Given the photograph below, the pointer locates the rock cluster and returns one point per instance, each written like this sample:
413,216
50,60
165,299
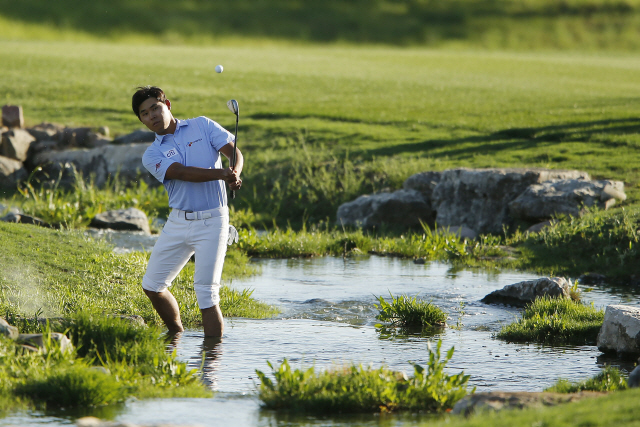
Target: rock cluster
483,200
54,151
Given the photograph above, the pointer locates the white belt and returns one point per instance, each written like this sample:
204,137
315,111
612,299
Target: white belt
194,216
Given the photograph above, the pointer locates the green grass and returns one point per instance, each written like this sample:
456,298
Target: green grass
594,24
610,379
410,312
555,321
323,124
352,389
59,273
605,242
112,360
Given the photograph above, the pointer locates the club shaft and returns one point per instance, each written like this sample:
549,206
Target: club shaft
234,158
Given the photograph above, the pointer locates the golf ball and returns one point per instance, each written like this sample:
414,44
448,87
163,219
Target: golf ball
219,68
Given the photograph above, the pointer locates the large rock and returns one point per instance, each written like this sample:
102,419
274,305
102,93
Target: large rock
11,172
620,331
500,400
46,132
122,219
479,198
402,207
522,293
102,162
564,197
7,330
20,218
136,136
16,143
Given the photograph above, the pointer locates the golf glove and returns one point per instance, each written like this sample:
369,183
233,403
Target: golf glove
233,235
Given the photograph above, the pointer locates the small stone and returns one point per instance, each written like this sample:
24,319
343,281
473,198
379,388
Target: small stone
12,116
122,219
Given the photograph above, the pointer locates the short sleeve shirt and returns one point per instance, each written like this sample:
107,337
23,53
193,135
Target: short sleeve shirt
195,142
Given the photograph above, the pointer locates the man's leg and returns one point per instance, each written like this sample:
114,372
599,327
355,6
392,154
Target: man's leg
212,321
167,307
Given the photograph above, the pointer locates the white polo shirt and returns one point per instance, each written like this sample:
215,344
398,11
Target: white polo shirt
195,142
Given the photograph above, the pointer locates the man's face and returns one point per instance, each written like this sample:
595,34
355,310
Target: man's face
156,115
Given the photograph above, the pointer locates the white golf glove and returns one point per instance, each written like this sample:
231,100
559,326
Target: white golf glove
233,235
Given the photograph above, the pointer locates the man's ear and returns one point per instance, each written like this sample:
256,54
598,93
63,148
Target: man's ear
166,101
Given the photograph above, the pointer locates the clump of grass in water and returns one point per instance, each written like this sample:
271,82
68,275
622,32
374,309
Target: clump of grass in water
609,379
410,312
359,389
556,321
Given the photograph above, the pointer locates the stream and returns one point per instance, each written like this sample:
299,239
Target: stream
328,317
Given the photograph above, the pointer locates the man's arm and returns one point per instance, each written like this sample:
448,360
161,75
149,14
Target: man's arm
227,150
194,174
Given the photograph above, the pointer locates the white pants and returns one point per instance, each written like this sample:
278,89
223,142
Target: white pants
181,238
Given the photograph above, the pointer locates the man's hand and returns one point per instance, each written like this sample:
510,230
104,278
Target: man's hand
232,177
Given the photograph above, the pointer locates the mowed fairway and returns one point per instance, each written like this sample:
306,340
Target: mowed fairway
409,109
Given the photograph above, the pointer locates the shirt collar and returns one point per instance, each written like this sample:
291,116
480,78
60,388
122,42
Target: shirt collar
179,123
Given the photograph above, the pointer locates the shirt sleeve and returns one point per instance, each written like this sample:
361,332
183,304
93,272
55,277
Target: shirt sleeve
157,163
218,136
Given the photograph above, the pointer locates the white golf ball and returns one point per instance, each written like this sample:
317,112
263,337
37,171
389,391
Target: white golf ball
219,68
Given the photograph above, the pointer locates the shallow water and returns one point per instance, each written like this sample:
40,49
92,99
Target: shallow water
328,318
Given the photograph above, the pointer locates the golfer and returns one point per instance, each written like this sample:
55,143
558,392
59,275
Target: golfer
185,158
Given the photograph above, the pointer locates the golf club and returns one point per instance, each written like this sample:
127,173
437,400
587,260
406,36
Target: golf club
233,106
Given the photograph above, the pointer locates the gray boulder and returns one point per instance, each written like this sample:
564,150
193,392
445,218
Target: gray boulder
102,162
20,218
522,293
634,378
122,219
402,207
479,199
620,331
11,172
136,136
461,232
564,196
16,144
7,330
46,132
501,400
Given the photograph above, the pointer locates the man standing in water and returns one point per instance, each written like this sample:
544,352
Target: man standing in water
185,158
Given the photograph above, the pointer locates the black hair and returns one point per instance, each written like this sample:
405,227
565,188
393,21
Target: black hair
143,93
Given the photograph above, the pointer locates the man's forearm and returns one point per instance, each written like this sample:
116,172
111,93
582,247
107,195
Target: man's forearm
194,174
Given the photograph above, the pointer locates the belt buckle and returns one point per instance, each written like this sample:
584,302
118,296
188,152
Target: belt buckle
188,212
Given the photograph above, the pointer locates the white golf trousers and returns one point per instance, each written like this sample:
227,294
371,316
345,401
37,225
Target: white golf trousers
181,238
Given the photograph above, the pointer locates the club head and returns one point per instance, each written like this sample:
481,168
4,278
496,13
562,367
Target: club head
233,106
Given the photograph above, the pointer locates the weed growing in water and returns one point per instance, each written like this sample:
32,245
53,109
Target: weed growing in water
410,312
361,389
555,321
609,379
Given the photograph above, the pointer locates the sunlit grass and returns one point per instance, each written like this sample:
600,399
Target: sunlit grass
355,388
410,312
555,321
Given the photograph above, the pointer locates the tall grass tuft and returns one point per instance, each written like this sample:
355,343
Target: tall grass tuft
609,379
410,312
556,321
352,389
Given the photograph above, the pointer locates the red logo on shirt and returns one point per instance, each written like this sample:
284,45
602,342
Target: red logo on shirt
158,165
192,142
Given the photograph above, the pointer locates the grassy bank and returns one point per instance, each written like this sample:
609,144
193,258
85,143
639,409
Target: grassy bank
594,24
59,273
112,360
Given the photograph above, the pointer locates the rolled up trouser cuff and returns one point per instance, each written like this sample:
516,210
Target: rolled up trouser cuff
207,295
